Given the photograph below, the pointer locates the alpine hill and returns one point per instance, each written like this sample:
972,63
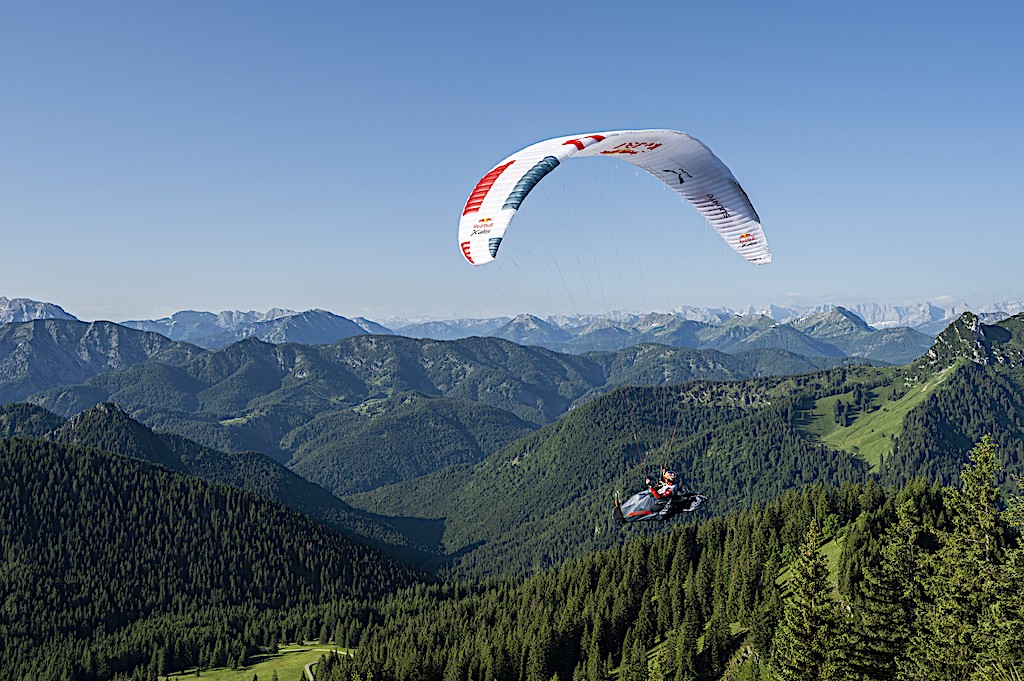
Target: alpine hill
112,564
106,427
547,497
42,354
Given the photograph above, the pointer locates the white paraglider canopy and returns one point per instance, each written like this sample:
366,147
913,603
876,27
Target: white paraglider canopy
682,162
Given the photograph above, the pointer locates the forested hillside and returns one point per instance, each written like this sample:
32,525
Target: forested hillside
983,395
975,400
372,409
739,442
857,583
107,427
111,563
548,497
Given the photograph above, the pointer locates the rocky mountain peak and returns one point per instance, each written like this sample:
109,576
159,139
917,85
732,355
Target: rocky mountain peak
969,338
24,310
837,321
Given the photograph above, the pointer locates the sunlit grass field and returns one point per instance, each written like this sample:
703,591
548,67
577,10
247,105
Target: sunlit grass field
869,436
289,663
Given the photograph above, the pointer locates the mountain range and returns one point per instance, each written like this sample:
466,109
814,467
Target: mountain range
199,553
457,423
927,317
352,415
830,333
570,333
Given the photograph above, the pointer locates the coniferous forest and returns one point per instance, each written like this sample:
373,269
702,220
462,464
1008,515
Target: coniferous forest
865,523
926,582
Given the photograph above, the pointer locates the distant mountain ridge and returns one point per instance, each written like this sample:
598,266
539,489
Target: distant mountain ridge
895,334
586,333
25,310
214,331
927,317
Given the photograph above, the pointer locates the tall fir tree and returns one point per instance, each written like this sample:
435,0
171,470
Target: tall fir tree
686,644
634,659
1008,623
716,644
891,591
811,631
955,633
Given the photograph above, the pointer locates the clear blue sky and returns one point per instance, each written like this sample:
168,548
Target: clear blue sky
213,155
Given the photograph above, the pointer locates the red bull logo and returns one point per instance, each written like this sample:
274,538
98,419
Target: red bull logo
747,238
483,226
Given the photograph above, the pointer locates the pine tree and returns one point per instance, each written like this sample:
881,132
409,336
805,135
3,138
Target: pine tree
1008,626
956,625
686,644
716,644
595,668
811,628
891,592
634,659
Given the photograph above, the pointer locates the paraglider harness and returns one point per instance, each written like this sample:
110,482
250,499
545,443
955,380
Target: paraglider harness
645,505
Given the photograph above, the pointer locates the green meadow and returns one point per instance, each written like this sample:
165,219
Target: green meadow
870,434
289,663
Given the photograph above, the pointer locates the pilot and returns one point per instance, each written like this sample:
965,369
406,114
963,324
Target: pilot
664,488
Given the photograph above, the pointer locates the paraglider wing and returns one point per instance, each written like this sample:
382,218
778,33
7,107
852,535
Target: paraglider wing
680,161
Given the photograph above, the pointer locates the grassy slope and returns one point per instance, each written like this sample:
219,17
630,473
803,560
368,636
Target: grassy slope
869,435
288,663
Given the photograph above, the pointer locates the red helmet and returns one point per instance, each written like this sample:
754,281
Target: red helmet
670,476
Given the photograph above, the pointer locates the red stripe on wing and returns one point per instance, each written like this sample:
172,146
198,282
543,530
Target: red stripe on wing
482,187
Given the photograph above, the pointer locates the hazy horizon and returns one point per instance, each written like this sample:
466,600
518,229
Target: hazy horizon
940,302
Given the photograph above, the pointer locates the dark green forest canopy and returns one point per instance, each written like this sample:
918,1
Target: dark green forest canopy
593,613
108,428
113,555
